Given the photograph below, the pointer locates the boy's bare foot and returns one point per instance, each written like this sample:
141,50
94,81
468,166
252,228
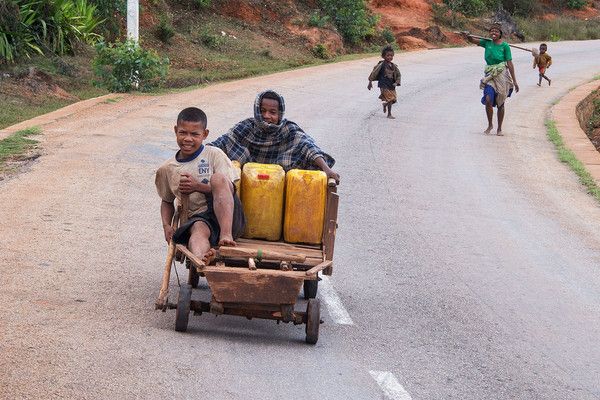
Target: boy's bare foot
227,241
391,117
209,256
539,84
499,133
384,108
488,130
549,82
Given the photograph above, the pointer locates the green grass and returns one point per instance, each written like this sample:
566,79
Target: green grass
17,145
568,157
560,28
16,109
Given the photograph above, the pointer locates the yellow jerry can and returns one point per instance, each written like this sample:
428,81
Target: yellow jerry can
238,171
262,199
305,197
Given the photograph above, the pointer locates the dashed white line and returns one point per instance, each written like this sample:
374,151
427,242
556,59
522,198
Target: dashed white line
331,299
392,389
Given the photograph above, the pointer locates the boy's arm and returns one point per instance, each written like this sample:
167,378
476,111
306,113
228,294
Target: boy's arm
167,210
549,62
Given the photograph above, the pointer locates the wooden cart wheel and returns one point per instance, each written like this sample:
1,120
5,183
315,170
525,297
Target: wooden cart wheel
182,315
193,276
310,289
313,320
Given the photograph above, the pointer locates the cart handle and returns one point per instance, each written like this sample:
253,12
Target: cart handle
319,267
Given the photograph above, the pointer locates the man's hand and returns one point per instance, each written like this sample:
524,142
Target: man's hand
516,87
168,230
332,174
370,85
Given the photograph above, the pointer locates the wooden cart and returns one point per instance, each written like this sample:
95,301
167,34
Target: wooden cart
256,279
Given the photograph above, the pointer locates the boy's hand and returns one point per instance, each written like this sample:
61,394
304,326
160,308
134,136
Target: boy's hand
370,85
168,230
187,184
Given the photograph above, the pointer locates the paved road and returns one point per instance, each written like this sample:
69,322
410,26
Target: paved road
468,264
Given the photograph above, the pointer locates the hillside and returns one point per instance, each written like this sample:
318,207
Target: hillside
208,41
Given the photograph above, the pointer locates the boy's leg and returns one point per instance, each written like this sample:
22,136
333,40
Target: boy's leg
500,119
546,78
389,107
199,243
489,112
222,192
540,80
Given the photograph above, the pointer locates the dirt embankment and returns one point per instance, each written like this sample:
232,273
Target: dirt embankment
588,114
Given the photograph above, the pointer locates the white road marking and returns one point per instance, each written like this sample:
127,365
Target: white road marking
392,389
331,299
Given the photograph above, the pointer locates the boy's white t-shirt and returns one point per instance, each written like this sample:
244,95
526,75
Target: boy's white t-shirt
210,160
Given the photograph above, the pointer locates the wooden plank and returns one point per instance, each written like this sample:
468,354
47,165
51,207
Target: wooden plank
320,267
280,246
242,252
236,285
330,229
161,301
192,257
185,208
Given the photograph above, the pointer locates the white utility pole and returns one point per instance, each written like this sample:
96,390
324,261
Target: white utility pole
133,20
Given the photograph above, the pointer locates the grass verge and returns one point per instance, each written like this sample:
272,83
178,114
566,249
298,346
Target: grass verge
560,28
17,147
568,157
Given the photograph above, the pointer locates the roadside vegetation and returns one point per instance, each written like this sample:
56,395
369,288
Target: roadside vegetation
55,52
560,28
568,157
17,148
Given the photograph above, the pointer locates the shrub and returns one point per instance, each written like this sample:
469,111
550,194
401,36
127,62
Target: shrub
112,12
576,4
202,3
320,51
318,20
351,18
594,122
211,40
470,8
443,15
388,35
164,29
28,26
124,66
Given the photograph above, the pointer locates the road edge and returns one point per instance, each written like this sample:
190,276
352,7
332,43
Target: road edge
563,115
55,115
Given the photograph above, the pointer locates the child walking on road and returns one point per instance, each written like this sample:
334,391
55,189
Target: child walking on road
387,75
543,62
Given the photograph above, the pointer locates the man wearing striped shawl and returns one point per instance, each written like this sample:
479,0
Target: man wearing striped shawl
269,138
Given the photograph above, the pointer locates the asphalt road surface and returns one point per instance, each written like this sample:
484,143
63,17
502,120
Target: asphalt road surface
466,265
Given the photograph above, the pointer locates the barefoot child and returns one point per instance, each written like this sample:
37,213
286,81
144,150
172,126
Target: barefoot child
206,175
387,75
543,62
